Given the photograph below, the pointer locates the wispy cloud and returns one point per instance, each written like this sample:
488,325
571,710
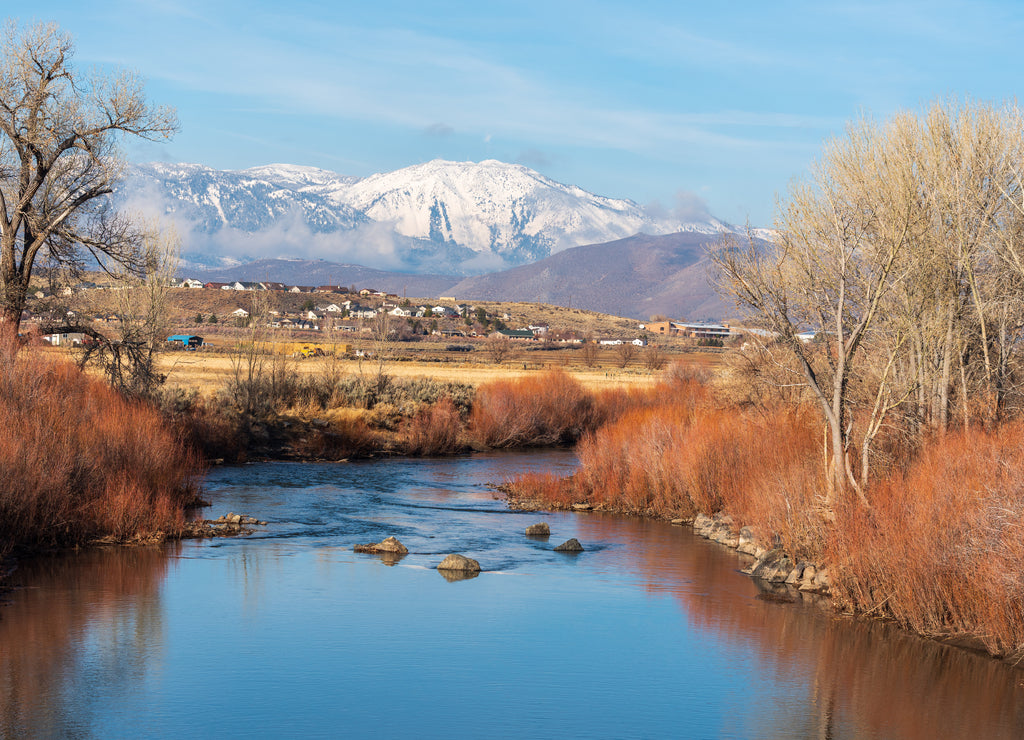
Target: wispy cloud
438,130
436,85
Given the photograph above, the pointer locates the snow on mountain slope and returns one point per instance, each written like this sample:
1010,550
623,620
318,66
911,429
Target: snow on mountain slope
505,209
249,200
440,216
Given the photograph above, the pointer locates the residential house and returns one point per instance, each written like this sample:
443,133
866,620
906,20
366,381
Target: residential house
519,334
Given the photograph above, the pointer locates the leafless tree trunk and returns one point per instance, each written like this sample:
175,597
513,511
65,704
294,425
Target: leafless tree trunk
499,348
833,265
624,353
59,161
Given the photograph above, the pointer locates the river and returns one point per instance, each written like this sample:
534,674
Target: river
651,632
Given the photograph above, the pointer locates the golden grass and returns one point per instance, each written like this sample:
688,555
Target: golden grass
208,372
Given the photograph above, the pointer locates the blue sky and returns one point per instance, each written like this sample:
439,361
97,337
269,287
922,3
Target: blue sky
660,102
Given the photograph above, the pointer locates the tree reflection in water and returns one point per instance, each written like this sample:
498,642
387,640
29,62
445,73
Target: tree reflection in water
868,678
85,620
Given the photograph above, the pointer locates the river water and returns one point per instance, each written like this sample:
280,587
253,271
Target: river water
651,632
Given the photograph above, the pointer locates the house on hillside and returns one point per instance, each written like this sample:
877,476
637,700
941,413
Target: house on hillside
362,312
688,329
518,334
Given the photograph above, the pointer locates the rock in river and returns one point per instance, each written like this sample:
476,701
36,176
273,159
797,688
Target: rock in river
389,545
572,545
538,530
459,562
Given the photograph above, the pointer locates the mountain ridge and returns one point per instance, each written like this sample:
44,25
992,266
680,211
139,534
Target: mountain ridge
461,218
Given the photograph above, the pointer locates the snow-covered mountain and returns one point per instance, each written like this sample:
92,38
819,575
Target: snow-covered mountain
458,217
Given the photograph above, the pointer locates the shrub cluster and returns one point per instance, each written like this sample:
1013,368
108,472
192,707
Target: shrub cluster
81,462
534,411
278,387
938,549
941,548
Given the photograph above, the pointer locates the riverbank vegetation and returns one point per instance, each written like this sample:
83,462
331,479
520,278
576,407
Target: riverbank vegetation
82,462
936,551
873,423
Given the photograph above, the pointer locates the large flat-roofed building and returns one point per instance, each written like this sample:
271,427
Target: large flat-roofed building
694,330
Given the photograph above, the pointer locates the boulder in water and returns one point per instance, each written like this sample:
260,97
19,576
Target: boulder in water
459,563
389,545
572,545
538,530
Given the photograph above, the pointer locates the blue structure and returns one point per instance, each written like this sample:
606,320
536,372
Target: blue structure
185,341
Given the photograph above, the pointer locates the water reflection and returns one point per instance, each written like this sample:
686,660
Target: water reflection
78,620
862,678
648,628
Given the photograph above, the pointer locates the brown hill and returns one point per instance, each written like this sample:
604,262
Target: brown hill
637,277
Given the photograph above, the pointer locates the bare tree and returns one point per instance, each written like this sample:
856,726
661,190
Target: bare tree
654,357
833,264
624,353
589,351
904,253
129,359
59,161
498,347
384,337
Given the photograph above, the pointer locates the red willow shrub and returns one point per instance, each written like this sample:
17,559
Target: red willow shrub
940,551
675,460
80,462
435,430
527,412
669,452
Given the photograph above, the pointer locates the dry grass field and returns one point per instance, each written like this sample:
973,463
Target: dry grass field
208,372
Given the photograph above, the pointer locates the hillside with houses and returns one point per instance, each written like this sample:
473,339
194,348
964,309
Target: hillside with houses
334,313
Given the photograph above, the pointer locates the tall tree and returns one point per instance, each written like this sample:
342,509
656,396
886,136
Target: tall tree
59,160
903,250
833,263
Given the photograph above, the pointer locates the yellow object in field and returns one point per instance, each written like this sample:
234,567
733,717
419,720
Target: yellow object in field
310,349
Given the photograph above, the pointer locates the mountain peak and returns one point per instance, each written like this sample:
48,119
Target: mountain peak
441,215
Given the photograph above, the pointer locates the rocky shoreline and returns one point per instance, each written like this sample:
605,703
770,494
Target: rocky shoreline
771,563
